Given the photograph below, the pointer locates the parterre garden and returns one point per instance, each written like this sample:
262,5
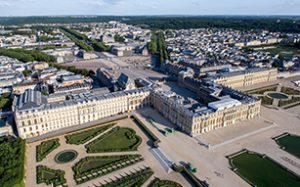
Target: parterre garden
50,176
288,97
96,140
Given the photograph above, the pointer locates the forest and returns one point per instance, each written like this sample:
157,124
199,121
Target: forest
272,23
12,151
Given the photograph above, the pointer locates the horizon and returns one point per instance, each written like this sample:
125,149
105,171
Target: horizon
30,8
156,15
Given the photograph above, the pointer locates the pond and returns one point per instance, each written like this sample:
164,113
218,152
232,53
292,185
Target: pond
278,95
66,156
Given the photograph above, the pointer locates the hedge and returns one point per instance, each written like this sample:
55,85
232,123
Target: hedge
135,179
185,172
105,169
161,183
147,131
49,145
57,179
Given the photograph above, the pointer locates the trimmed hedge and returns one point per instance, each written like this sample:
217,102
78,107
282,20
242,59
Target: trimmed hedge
50,176
164,183
189,175
135,179
121,161
84,136
130,135
147,131
45,148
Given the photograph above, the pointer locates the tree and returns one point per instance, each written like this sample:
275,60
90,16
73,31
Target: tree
119,38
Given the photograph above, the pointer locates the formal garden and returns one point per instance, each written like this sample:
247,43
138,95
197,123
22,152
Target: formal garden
260,170
45,148
50,176
277,96
118,139
12,153
92,167
99,139
290,143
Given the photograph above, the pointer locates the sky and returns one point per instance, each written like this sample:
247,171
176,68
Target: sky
148,7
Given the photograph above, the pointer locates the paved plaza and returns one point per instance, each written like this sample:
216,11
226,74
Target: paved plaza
212,164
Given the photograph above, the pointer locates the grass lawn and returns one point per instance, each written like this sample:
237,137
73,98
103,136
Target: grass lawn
116,140
291,144
50,176
97,162
84,136
45,148
263,172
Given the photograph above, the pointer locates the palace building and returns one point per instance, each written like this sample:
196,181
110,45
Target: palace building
216,106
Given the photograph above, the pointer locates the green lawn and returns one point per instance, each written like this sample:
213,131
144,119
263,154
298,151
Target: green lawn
291,144
50,176
84,136
263,172
45,148
116,140
97,162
